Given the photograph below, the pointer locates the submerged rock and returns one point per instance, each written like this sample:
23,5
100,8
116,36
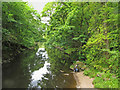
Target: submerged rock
61,71
66,74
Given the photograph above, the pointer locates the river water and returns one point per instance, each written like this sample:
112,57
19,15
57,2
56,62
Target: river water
31,69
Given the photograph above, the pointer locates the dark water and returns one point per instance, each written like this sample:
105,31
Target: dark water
32,69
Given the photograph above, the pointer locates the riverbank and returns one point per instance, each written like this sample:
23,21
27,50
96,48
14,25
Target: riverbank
83,81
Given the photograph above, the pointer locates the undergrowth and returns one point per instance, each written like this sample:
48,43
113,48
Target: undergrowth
102,79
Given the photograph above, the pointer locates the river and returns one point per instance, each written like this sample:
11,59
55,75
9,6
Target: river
31,69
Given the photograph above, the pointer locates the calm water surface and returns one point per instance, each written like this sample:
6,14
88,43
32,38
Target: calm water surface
32,69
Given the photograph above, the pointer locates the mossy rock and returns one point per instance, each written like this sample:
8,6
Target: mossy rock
81,65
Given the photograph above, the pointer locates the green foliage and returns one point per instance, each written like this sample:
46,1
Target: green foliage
102,47
84,33
21,24
72,67
88,32
102,79
86,72
107,80
80,64
89,72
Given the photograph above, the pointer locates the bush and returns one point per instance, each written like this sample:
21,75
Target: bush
106,80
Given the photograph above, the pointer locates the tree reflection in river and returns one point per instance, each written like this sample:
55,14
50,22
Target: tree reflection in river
31,69
58,60
55,78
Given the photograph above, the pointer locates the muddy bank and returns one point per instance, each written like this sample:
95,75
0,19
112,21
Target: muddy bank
83,81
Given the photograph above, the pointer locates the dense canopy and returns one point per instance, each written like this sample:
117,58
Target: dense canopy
77,31
88,32
21,25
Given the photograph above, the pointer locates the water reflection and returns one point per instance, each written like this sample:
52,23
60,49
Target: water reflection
39,74
32,69
42,53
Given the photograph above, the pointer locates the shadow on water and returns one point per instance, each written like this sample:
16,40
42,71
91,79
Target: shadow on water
31,69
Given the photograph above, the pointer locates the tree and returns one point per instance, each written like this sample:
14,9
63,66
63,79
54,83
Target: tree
88,32
21,25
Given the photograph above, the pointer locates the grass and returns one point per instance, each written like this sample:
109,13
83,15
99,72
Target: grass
102,79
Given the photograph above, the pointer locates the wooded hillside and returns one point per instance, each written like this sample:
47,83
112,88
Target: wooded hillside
88,32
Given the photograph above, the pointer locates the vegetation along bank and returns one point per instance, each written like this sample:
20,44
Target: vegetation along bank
86,32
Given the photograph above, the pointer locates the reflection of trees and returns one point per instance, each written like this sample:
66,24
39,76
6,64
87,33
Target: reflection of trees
13,75
27,62
58,59
55,78
31,62
18,73
59,80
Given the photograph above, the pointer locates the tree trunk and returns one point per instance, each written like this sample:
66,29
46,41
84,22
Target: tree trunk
106,39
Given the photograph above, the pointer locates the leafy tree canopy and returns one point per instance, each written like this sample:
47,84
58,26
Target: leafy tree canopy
21,24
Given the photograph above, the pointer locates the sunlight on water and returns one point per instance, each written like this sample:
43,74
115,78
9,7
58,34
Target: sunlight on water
38,74
31,69
42,52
